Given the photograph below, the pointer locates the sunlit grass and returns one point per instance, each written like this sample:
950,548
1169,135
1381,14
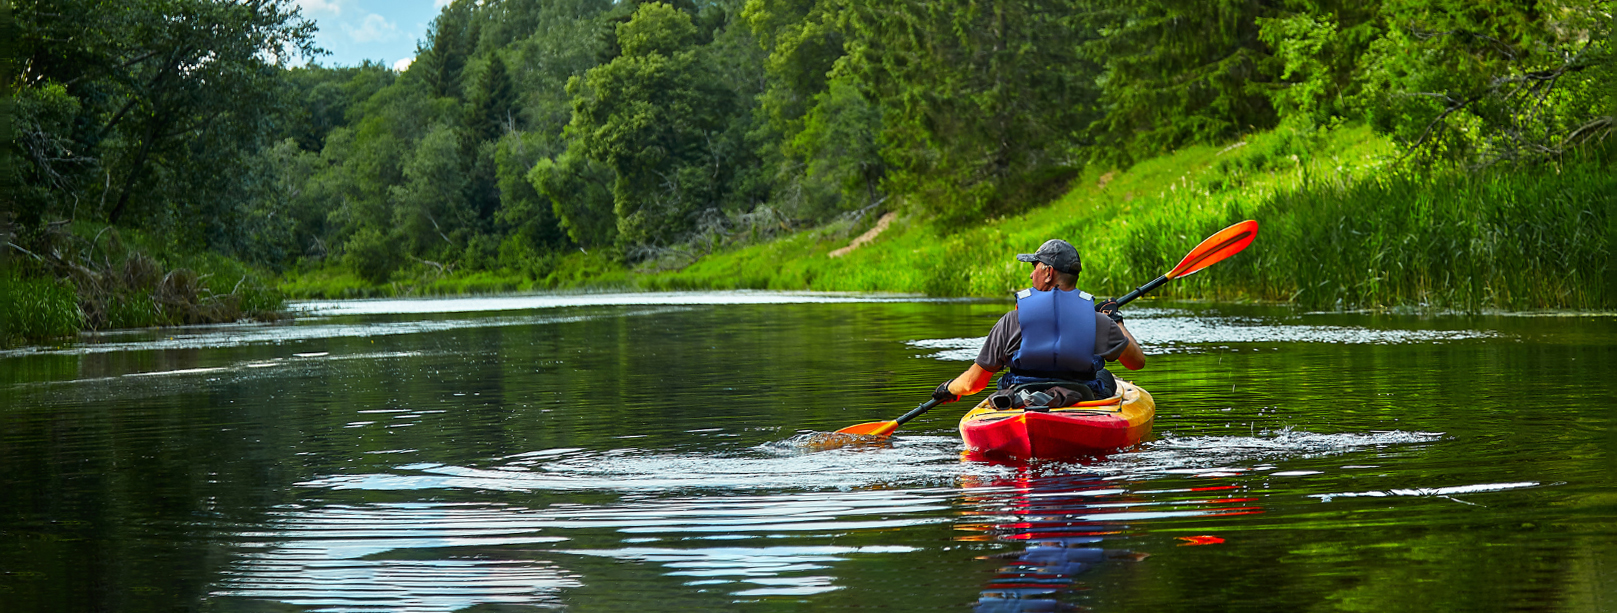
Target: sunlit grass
1340,228
569,271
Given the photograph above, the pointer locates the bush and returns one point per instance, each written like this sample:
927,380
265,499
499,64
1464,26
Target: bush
371,255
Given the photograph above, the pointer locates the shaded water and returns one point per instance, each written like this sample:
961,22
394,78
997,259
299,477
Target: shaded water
638,453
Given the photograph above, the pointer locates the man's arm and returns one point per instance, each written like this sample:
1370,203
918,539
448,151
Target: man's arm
1132,358
994,353
970,382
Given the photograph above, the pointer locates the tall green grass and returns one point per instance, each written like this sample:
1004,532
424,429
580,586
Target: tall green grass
576,270
1193,187
1519,240
1340,228
34,308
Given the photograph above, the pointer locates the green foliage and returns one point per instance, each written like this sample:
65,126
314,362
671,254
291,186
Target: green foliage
371,255
580,191
1301,42
528,133
1485,83
168,93
981,103
1178,72
651,115
42,118
840,146
441,61
430,211
1337,231
529,221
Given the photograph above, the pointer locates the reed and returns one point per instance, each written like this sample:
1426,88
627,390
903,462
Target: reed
1498,240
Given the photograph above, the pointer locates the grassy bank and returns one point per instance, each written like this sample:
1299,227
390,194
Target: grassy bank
1343,226
1340,229
572,271
83,277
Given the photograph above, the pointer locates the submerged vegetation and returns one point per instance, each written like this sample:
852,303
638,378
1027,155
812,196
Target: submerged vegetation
1398,152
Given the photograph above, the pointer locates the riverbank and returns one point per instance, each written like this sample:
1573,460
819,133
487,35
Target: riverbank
100,278
1344,225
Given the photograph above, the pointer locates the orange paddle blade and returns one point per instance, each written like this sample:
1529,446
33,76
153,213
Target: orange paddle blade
1225,243
875,428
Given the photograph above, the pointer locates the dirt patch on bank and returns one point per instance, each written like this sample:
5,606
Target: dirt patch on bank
881,224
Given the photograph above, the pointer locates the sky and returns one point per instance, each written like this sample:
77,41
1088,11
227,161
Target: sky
381,30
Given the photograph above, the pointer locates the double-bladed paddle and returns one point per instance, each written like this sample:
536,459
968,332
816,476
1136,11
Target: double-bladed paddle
1212,250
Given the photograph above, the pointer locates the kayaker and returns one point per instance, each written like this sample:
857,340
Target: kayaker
1056,332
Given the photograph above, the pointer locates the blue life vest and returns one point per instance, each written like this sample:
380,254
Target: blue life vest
1058,335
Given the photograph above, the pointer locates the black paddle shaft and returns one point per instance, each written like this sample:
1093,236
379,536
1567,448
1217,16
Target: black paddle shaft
1141,290
915,412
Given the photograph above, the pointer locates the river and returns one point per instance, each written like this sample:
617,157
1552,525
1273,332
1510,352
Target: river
645,452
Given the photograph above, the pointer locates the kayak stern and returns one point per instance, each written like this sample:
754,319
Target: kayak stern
1088,429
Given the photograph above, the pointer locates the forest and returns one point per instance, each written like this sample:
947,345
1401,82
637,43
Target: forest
182,161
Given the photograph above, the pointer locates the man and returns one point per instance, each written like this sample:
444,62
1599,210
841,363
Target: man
1056,333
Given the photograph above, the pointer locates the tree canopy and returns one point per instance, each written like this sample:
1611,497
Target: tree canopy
647,130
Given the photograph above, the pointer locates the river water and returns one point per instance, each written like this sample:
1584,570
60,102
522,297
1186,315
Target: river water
645,452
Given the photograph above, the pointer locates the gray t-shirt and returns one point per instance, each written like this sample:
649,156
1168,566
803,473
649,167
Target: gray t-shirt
1006,338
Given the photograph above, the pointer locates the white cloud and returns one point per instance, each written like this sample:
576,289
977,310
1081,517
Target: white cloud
438,4
374,28
403,64
333,7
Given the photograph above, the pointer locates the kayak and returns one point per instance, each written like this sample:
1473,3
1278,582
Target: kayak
1090,428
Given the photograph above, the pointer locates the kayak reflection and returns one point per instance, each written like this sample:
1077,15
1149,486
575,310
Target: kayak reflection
1068,525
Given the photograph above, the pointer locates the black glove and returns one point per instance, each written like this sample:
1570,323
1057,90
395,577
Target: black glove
943,395
1110,309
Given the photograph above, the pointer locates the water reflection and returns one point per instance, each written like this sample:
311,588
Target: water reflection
343,558
698,518
643,458
1069,522
766,522
484,304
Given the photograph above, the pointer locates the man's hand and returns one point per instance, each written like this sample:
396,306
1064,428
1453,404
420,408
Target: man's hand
943,395
1110,309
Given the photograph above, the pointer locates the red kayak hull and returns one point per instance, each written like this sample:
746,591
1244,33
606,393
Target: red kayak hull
1090,429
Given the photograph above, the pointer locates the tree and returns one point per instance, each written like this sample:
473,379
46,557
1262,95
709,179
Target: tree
982,103
451,37
430,211
580,193
493,102
651,115
524,213
1178,72
1483,83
